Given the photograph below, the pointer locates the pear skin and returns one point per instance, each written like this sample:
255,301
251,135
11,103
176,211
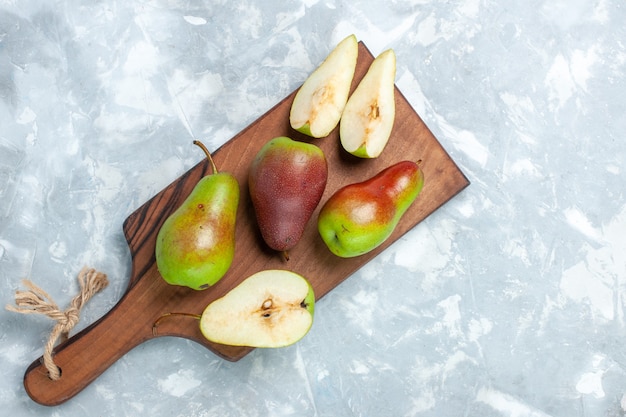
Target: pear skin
196,244
359,217
286,181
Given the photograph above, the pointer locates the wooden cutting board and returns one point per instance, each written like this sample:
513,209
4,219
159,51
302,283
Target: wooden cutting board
89,353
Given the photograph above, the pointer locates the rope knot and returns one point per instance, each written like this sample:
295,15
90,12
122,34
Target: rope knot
37,301
68,320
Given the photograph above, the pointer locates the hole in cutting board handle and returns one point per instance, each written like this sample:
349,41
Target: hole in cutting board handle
60,375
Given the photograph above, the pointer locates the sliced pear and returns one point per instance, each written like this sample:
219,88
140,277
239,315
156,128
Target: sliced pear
272,308
318,104
370,112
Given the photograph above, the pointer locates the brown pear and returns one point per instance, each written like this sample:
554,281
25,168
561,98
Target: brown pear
286,181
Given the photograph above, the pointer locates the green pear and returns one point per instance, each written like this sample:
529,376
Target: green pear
286,181
360,217
196,244
369,114
318,104
271,308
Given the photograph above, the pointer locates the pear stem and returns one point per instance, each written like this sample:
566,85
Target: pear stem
166,315
285,255
207,153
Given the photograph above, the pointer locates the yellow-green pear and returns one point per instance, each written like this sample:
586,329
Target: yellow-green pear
196,244
370,112
318,104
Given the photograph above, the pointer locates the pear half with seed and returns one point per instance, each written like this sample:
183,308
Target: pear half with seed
269,309
318,104
369,114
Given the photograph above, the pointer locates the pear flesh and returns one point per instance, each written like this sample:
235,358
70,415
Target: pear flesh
272,308
359,217
369,114
318,104
195,245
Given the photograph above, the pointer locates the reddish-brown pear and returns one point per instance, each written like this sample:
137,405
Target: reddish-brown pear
286,181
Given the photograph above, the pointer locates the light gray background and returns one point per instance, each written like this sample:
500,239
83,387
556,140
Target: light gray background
508,301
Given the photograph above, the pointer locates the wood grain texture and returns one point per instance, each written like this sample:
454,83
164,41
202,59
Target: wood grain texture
89,353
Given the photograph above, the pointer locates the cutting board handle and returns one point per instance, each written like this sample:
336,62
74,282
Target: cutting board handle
89,353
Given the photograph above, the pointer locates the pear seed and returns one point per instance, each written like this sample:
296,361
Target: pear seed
374,111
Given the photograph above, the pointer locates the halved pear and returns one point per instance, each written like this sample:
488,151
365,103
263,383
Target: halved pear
271,308
370,112
318,104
